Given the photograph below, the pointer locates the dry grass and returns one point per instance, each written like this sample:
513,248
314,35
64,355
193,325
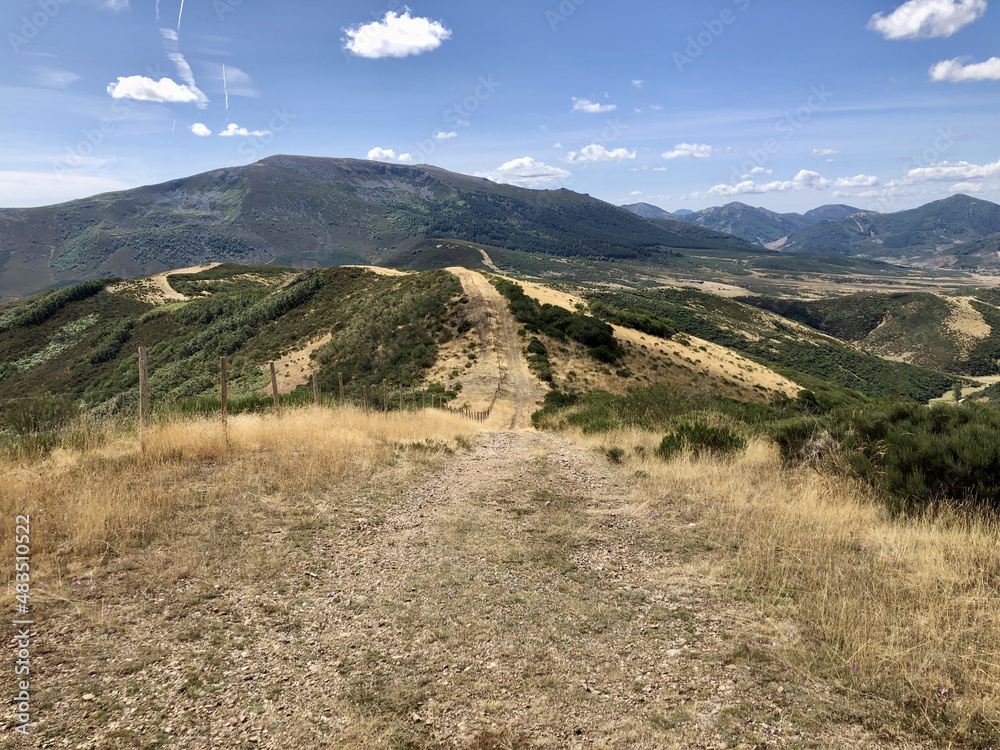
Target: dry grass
114,496
900,613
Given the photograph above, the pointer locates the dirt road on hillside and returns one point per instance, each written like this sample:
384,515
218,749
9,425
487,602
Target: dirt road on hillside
521,390
511,596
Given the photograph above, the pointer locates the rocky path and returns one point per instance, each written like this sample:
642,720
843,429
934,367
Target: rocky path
509,596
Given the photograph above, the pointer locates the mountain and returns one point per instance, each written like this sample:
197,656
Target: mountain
683,212
307,212
957,232
649,211
757,225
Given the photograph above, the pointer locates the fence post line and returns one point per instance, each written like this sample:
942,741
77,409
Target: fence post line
315,389
224,396
143,397
340,377
413,390
401,397
385,396
274,391
364,393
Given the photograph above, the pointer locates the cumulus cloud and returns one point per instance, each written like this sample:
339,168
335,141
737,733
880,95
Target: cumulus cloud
636,192
925,19
145,89
395,36
526,172
183,69
967,187
200,129
956,71
388,154
825,152
861,180
638,84
806,179
693,150
761,170
235,130
585,105
595,152
945,171
443,136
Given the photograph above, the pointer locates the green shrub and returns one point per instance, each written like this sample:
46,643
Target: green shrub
32,416
701,438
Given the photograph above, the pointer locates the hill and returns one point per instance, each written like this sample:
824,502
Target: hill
757,225
957,232
308,212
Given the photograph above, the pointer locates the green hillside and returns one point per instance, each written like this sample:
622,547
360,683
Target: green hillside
84,349
312,212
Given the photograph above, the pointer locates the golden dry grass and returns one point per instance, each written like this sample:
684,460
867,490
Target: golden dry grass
113,496
902,612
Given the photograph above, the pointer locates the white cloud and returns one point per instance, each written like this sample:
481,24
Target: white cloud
656,107
638,84
861,180
183,69
595,152
145,89
200,129
115,5
55,79
660,169
395,36
693,150
967,187
945,171
585,105
956,71
237,82
233,129
526,172
443,136
636,192
556,145
388,154
761,170
806,179
825,152
924,19
46,188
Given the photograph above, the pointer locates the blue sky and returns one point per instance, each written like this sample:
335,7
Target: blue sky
779,103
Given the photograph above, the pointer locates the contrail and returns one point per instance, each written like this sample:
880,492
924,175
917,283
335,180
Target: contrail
157,10
225,86
180,16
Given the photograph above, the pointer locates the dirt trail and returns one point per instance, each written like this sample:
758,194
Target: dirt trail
521,390
167,292
511,596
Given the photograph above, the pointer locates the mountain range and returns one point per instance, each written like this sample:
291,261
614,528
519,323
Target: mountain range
959,232
757,225
307,212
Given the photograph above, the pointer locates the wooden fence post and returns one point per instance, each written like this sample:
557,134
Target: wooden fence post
423,400
315,389
143,397
413,389
385,396
274,391
340,377
401,397
224,395
364,393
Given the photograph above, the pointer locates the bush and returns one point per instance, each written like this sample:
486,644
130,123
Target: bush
32,416
701,438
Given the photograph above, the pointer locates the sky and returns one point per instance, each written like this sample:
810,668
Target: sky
784,104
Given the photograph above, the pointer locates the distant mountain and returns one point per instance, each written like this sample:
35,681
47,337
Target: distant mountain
757,225
306,212
683,212
649,211
957,232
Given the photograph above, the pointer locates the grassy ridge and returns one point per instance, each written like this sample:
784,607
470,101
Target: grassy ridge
380,328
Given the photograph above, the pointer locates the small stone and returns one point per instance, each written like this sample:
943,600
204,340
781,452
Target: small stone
89,696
